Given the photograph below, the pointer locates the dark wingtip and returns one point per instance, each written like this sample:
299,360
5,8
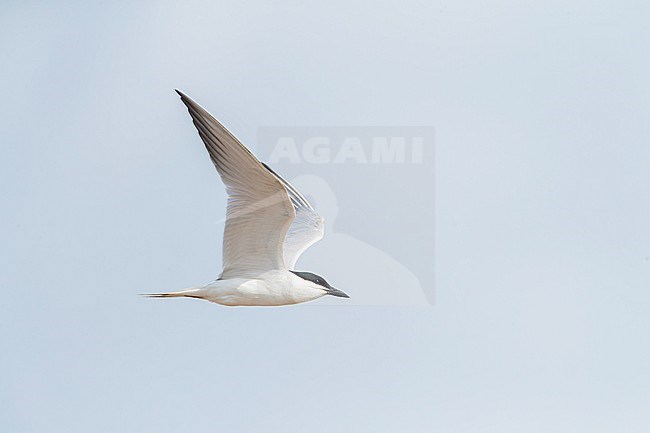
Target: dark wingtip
189,102
183,96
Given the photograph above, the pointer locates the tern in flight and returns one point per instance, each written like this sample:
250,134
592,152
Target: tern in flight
269,224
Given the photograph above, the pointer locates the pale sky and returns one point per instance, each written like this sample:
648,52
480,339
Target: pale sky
541,270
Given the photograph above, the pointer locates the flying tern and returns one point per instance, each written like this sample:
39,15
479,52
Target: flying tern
269,224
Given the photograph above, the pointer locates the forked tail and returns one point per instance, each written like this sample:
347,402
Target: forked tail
188,293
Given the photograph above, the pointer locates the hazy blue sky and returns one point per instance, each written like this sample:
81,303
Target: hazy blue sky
542,235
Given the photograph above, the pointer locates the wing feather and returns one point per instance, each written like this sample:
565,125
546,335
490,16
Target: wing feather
307,228
260,209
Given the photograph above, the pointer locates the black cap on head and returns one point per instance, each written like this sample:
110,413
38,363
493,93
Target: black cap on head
317,279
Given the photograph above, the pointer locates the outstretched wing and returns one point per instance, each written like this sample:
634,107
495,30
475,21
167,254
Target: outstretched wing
307,228
259,211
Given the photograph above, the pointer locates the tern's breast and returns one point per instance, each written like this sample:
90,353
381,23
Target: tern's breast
272,288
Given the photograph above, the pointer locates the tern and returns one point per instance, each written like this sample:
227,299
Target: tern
269,224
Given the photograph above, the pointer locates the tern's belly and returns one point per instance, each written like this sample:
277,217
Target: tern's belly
258,292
